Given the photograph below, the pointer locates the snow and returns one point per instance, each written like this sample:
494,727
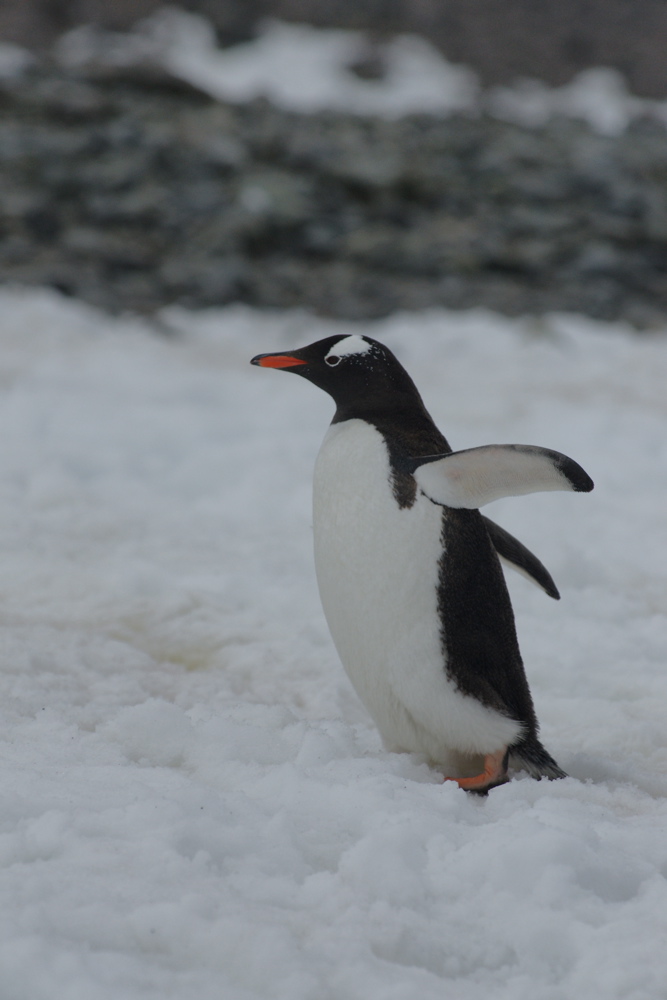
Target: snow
598,95
194,802
306,69
301,68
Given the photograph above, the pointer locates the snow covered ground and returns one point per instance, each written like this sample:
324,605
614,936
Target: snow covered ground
194,802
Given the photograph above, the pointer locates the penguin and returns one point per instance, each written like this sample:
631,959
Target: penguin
409,571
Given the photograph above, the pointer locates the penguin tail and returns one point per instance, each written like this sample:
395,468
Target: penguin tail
529,755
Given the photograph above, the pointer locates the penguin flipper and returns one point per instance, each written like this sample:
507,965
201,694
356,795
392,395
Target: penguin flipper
521,559
477,476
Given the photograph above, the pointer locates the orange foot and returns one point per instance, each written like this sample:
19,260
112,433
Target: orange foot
494,773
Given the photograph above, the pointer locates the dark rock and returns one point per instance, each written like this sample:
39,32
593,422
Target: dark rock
37,24
134,197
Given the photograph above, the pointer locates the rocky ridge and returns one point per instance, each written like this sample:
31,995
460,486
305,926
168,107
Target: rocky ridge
132,191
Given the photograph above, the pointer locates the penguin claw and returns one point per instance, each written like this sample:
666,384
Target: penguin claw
494,774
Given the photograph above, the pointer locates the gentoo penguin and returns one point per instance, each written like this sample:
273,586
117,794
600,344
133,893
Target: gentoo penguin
408,569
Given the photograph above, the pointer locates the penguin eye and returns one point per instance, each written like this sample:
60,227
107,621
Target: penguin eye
333,361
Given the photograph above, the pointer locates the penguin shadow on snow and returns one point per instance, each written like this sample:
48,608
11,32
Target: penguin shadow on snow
409,571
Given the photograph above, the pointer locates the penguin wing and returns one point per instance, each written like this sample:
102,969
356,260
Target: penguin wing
477,476
521,559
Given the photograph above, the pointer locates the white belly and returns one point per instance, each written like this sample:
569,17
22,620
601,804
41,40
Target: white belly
377,571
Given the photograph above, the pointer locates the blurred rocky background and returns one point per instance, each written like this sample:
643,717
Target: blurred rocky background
132,189
550,40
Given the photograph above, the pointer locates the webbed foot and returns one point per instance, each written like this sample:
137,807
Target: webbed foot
494,773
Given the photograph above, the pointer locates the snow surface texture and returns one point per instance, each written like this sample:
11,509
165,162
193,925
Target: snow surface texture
306,69
194,802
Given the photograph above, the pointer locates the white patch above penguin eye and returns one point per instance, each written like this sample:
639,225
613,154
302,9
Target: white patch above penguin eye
348,345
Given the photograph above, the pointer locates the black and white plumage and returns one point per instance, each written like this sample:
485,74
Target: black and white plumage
408,569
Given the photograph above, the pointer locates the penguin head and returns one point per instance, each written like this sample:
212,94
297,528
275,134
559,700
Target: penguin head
358,372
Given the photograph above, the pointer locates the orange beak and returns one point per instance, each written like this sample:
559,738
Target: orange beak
277,361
